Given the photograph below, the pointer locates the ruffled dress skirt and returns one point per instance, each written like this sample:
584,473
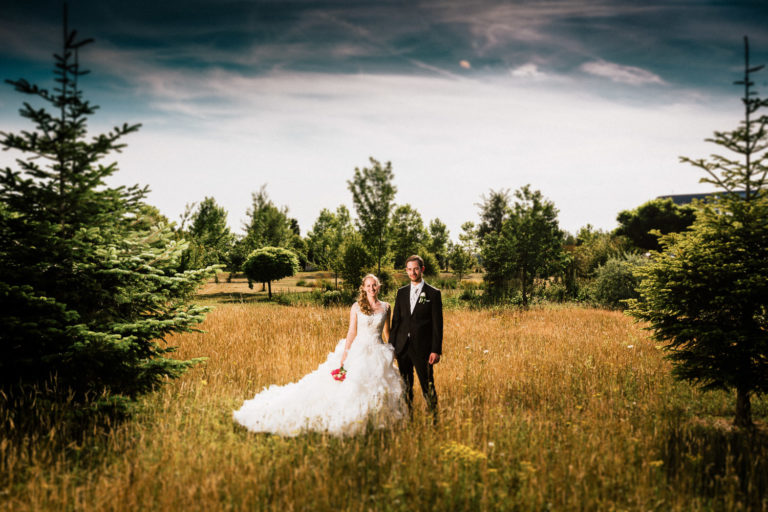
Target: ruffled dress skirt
370,395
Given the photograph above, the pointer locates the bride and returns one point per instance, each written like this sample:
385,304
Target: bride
370,391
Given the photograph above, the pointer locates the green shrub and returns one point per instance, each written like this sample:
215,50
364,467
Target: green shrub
470,285
302,282
324,284
555,292
616,282
387,280
431,265
444,283
284,299
355,261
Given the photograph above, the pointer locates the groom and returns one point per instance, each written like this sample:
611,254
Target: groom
417,333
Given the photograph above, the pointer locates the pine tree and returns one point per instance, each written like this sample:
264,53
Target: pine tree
89,287
209,237
706,294
494,211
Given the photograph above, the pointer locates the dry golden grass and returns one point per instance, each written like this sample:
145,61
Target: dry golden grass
557,408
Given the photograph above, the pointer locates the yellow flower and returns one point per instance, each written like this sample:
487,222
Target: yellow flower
453,451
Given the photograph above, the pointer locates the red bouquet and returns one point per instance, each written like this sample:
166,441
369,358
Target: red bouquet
339,374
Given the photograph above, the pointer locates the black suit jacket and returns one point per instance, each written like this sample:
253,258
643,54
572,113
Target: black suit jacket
423,328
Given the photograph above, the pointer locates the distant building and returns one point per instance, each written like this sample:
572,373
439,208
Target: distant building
681,199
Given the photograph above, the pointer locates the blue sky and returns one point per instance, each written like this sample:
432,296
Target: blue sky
590,102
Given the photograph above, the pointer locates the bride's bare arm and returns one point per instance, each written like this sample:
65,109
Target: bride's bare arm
351,332
386,326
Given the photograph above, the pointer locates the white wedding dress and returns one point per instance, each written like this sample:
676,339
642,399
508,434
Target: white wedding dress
371,392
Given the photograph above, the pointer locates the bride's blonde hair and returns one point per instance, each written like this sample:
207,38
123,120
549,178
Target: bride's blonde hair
362,298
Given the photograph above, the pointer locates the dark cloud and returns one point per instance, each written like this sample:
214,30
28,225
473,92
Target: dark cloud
687,43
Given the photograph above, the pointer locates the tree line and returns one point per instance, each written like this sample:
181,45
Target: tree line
516,243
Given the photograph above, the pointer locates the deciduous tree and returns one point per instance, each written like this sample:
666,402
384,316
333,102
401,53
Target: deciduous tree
494,210
461,260
406,234
373,194
530,243
354,260
328,232
439,238
267,225
642,224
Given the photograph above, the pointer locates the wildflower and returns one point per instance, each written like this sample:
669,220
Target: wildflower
453,451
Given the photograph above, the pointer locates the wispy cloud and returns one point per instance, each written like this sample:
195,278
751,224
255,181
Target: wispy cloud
528,70
621,74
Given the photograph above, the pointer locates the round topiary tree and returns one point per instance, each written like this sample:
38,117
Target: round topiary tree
270,264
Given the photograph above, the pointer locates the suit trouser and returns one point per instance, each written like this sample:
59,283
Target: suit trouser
409,361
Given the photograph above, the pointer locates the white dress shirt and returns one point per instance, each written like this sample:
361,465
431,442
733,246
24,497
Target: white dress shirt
415,292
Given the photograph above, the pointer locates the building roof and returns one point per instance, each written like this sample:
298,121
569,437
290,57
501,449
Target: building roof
681,199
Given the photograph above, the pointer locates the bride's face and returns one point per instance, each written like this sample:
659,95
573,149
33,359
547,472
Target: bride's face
371,287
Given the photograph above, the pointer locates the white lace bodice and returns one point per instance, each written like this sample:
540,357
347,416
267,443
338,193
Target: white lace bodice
369,327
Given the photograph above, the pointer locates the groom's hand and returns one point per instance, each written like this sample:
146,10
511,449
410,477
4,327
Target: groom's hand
434,358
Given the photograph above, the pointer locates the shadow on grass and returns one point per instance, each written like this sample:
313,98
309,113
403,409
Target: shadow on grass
718,461
41,430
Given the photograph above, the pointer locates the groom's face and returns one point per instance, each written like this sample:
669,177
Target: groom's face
414,271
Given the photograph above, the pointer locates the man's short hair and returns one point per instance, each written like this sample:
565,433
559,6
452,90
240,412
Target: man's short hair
417,259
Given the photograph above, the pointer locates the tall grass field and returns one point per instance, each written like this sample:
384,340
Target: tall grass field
554,408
